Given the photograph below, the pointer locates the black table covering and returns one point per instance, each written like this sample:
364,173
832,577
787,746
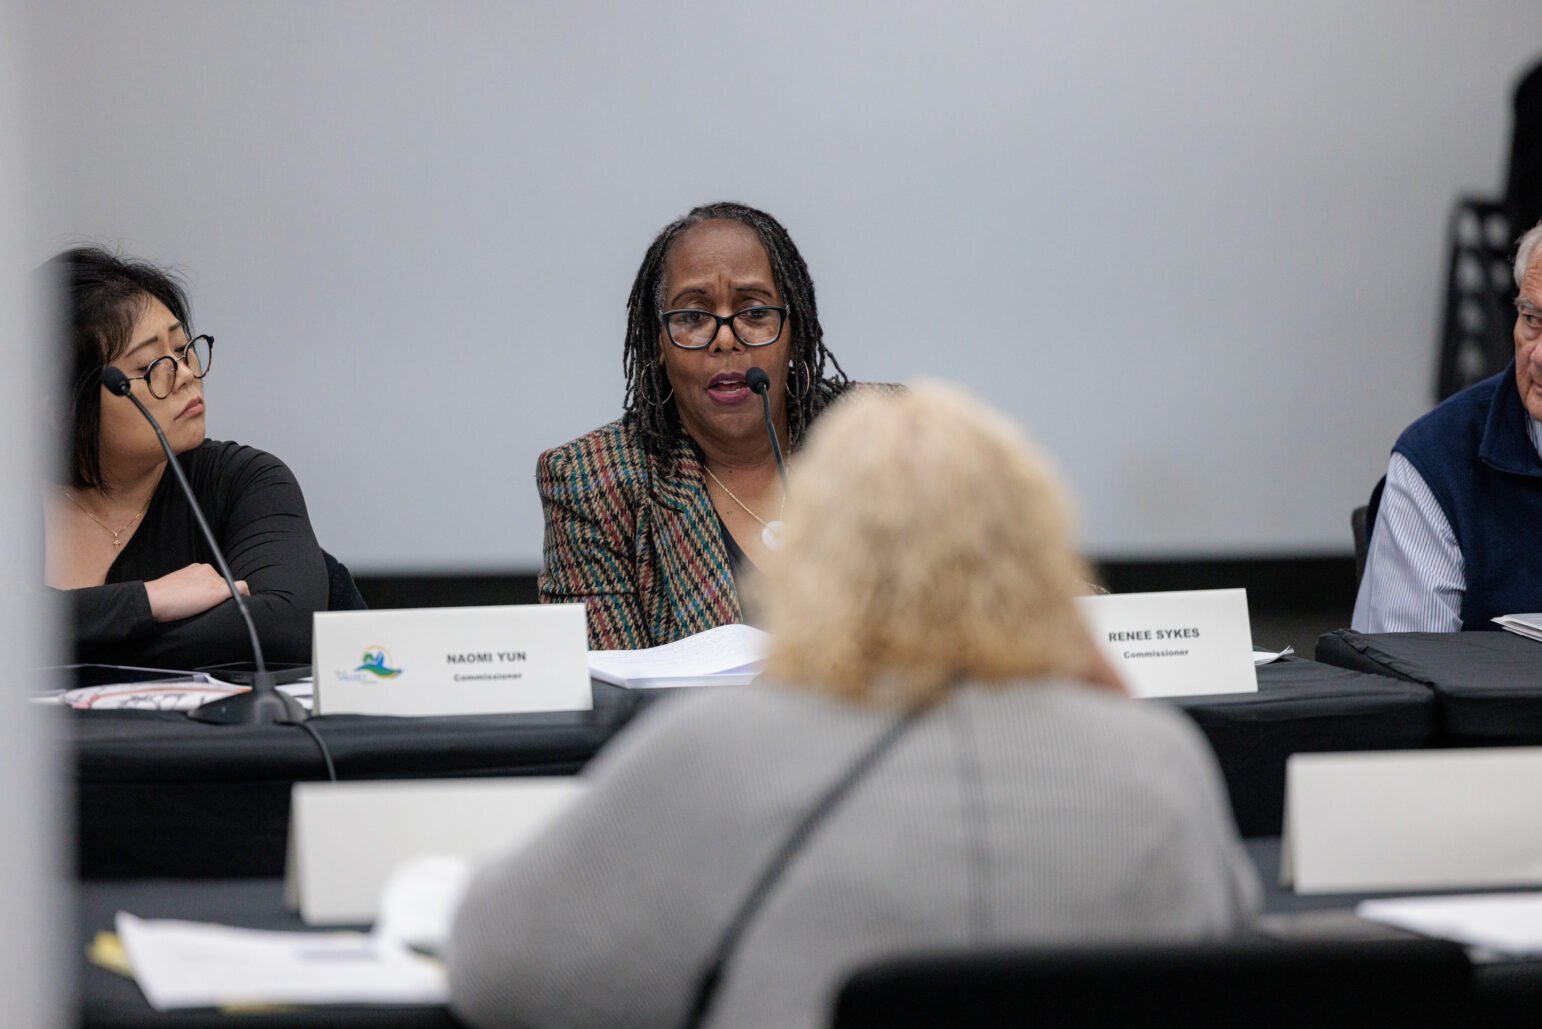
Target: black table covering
158,794
1506,993
1487,685
1302,707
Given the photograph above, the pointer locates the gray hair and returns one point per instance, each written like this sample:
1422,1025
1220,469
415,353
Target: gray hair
1524,251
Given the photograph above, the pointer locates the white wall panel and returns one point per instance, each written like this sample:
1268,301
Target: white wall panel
1196,247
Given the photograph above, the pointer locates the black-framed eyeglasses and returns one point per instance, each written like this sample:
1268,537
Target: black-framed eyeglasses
754,326
161,377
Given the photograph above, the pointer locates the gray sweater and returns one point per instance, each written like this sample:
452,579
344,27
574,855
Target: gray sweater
1038,813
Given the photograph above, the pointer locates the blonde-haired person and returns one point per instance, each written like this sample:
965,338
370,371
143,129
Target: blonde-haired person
935,545
979,776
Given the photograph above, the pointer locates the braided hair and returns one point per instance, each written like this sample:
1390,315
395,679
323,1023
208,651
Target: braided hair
649,405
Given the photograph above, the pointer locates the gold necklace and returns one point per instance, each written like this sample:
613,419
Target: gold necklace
117,536
770,532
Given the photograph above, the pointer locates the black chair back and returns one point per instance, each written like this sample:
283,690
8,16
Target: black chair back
1362,535
1258,984
1362,522
1523,183
342,592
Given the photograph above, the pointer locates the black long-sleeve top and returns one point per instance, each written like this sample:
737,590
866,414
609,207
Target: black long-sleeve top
256,510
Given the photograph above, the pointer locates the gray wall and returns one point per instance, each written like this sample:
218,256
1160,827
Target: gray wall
36,963
1195,247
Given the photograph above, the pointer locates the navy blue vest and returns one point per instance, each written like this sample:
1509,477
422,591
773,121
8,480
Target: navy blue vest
1476,456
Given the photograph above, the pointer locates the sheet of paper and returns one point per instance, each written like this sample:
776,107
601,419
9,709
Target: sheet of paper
1503,923
676,682
1264,657
182,694
1529,625
106,951
725,649
419,901
195,964
302,690
69,677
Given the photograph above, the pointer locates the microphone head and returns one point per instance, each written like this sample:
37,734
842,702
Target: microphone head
755,379
116,381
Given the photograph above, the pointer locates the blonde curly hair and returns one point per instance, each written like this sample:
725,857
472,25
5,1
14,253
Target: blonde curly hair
927,543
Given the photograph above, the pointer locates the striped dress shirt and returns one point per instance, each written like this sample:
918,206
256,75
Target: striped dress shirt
1414,579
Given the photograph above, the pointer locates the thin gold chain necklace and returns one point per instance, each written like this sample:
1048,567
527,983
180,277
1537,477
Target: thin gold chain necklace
117,535
770,532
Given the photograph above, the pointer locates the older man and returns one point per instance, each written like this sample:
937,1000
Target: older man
1459,536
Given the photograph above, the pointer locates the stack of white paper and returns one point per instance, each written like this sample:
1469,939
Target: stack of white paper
1509,924
182,694
729,655
195,965
1529,626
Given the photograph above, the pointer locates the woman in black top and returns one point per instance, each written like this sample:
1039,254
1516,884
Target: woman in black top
122,543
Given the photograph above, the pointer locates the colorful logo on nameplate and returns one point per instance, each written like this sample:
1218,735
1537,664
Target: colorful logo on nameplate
376,664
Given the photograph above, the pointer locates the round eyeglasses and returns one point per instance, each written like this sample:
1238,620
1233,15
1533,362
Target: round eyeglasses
753,326
161,377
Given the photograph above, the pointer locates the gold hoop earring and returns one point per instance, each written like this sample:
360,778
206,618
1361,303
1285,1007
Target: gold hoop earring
658,374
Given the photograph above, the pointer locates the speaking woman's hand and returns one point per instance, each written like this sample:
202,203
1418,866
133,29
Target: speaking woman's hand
188,591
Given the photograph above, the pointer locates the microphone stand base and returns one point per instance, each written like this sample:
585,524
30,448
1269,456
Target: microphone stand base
263,704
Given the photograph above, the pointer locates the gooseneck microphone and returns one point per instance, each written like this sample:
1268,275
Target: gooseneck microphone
757,380
263,703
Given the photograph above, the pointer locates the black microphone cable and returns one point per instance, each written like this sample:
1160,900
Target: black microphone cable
326,755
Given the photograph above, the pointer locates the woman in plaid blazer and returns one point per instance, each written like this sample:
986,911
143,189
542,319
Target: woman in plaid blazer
650,519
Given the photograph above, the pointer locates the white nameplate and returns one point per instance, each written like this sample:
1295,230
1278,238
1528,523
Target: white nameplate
346,838
1420,819
452,660
1179,644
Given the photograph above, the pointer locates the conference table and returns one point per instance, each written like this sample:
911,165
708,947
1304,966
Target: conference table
1487,685
1302,707
181,819
108,999
1506,993
160,795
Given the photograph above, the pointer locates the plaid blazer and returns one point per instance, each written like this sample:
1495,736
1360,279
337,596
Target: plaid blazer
635,538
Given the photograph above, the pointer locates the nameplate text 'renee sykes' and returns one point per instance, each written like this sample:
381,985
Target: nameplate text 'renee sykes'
1183,643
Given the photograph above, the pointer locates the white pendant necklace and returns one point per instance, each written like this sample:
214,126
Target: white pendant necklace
770,532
